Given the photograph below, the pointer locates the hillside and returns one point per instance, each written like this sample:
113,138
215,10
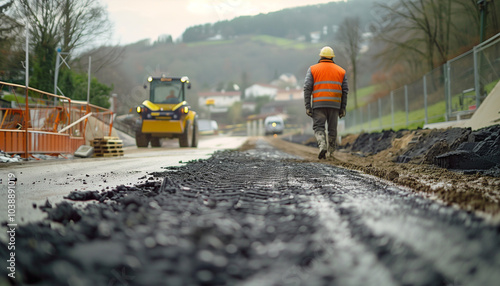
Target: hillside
209,63
248,56
289,23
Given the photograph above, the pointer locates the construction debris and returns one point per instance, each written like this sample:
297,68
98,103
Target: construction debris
6,158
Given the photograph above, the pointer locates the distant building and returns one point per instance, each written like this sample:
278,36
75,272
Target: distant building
287,94
223,100
315,37
285,80
259,89
249,106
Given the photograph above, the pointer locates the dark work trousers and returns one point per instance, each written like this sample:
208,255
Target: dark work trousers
322,115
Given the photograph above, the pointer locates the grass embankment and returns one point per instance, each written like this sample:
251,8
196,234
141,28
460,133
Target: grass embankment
21,99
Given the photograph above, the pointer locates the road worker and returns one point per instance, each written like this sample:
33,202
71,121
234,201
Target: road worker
325,96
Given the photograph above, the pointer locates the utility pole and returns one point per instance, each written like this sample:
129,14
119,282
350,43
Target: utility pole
88,87
56,74
27,114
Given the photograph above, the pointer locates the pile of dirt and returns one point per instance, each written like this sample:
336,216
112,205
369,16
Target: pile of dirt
458,149
430,143
373,143
480,153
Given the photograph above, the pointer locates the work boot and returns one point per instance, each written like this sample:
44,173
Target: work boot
331,147
321,138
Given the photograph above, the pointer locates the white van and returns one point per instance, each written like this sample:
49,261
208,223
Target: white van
274,125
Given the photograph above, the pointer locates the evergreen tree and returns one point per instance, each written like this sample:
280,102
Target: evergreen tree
44,61
99,92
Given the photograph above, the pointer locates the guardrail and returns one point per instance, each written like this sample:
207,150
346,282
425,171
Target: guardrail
41,122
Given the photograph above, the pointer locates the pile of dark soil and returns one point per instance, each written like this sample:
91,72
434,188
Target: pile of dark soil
428,144
480,153
373,143
458,149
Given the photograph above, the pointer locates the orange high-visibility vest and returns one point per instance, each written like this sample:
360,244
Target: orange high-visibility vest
328,79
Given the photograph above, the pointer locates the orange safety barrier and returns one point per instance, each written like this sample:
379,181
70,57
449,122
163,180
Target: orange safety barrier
50,124
14,141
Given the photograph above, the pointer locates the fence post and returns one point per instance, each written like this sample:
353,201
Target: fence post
380,112
477,86
406,105
369,117
446,73
392,109
425,99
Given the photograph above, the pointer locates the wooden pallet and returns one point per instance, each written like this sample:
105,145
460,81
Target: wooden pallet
107,147
108,154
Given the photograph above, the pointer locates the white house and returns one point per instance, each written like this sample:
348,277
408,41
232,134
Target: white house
260,89
222,100
290,93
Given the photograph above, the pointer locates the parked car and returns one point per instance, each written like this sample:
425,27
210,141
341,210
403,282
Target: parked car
274,125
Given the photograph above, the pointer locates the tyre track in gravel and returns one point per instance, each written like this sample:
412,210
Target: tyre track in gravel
395,236
260,217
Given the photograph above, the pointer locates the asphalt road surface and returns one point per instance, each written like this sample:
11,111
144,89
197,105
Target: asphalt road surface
54,179
254,217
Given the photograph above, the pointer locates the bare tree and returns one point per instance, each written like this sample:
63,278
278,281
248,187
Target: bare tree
7,24
351,37
68,23
417,26
11,53
430,30
83,22
102,57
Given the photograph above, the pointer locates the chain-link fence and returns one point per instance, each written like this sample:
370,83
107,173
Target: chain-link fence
453,91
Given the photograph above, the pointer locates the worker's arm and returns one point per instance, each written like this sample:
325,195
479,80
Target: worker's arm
308,88
345,90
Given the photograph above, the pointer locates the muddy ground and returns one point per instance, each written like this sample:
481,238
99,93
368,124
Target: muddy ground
456,166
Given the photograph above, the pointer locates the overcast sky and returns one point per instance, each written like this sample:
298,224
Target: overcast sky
134,20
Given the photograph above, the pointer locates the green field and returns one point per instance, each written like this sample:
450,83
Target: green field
270,40
363,96
209,43
282,42
21,99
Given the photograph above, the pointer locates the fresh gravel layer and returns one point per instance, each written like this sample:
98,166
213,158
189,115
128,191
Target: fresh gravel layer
255,217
